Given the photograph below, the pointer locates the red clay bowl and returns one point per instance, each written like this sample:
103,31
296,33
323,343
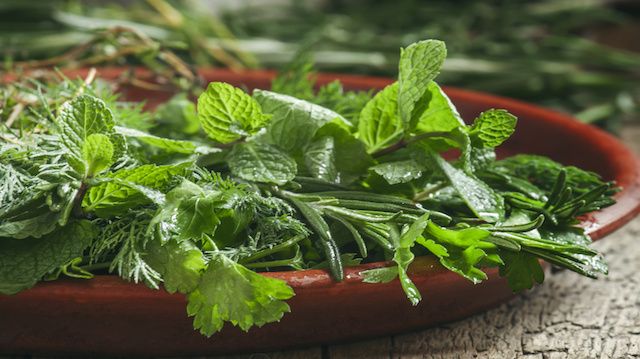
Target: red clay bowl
108,316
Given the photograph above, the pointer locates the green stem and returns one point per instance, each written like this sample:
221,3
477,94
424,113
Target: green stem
277,248
96,266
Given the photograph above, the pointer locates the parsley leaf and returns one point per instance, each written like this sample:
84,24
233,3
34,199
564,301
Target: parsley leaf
229,292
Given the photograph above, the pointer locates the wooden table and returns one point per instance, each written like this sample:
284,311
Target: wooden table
567,317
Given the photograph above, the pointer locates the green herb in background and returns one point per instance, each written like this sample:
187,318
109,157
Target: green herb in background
541,51
271,182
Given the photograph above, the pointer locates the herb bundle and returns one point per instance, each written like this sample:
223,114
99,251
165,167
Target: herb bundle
201,201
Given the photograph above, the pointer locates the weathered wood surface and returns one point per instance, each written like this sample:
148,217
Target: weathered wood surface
566,317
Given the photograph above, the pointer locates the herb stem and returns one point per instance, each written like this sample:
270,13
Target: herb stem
96,266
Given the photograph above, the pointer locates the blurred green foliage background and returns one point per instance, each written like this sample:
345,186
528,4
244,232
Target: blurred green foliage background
577,56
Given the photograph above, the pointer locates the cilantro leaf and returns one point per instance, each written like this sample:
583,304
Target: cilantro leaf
179,263
460,251
77,120
379,124
521,269
260,162
229,292
420,63
23,262
227,113
493,127
294,121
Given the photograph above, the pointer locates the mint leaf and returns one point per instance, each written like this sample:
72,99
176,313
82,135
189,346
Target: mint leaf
493,127
379,125
481,199
420,63
351,158
319,159
294,121
229,292
24,262
97,152
399,171
36,226
77,120
259,162
177,115
113,198
167,144
179,263
227,113
436,112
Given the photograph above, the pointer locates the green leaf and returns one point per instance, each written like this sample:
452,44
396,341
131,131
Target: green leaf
294,121
227,113
229,292
189,213
97,151
379,125
167,144
180,263
259,162
36,226
399,171
113,198
493,127
379,275
420,63
521,269
461,251
77,120
481,199
436,112
178,114
319,159
24,262
351,158
403,257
